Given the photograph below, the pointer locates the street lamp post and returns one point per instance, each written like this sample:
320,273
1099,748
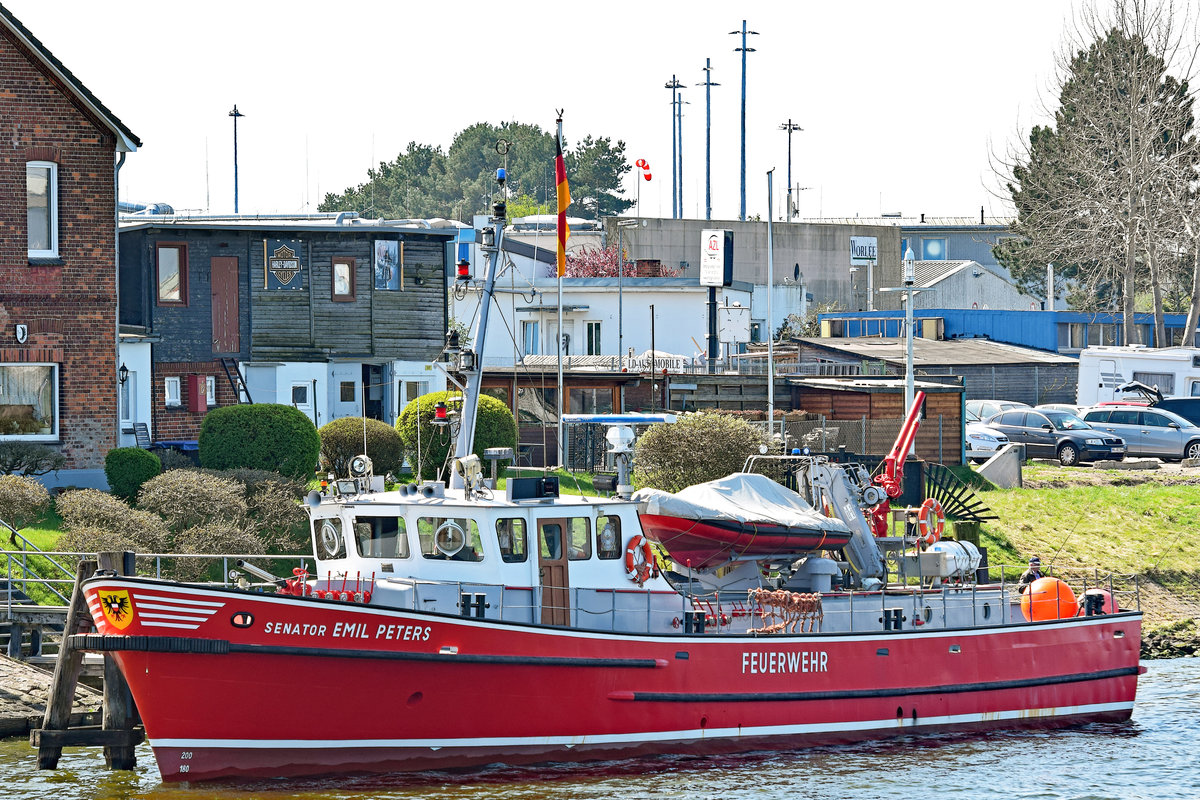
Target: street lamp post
236,116
743,50
708,84
909,290
790,126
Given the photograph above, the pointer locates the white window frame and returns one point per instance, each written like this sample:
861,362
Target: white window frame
127,400
594,343
531,337
52,436
307,404
52,202
210,390
172,392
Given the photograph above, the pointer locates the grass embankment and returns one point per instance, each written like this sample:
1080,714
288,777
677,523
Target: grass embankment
1132,523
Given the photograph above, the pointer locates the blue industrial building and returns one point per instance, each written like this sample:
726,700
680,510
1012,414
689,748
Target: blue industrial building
1065,332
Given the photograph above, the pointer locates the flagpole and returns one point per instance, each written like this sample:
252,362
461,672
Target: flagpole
561,444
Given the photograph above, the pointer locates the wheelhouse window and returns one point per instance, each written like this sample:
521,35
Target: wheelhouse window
343,280
29,401
579,539
450,539
608,537
172,274
41,205
512,540
327,538
381,537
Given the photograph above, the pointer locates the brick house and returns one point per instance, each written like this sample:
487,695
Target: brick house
61,155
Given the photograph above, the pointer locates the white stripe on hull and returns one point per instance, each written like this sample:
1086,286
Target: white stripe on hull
648,736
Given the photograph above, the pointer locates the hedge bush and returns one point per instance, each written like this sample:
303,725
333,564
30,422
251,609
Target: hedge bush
88,513
127,468
694,449
342,440
260,436
495,427
29,458
23,500
185,498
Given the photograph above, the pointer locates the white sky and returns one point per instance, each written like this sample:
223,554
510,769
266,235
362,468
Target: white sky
900,102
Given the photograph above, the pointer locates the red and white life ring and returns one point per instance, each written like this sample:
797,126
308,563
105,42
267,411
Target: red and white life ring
640,572
931,520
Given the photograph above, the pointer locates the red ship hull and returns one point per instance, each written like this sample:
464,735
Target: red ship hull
232,683
705,543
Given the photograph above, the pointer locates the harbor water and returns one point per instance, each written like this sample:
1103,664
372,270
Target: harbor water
1153,756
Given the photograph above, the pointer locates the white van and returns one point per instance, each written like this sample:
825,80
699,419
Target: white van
1175,371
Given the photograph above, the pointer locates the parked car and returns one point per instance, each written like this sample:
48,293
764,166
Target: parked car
1067,407
1057,434
1148,431
1186,407
983,441
980,410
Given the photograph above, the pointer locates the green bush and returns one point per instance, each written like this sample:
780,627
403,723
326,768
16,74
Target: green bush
29,459
495,427
260,436
127,468
88,513
174,459
185,498
23,500
695,449
342,440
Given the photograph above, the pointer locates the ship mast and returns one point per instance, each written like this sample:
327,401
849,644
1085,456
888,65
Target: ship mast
472,368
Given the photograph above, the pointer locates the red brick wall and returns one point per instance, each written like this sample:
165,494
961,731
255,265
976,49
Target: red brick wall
176,422
70,308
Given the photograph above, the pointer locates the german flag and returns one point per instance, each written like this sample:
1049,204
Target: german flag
564,200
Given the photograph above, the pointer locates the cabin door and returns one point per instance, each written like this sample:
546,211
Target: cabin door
225,334
552,571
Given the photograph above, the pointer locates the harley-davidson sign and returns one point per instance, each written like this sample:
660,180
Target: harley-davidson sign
284,264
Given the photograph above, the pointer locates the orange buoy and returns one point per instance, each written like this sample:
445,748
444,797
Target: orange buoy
1048,599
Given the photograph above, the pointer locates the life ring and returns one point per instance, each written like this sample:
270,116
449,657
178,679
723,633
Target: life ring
640,573
927,531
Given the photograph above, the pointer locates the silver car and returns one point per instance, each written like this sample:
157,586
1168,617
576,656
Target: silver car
1148,431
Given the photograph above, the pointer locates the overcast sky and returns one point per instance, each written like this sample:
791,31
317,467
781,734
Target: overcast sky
900,102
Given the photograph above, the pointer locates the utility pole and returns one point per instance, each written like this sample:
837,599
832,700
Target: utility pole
743,50
708,84
674,85
790,126
236,116
679,104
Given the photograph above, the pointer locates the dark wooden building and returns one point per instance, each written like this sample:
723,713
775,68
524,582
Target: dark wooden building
334,317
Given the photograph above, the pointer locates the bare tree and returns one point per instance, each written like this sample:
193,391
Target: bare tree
1096,193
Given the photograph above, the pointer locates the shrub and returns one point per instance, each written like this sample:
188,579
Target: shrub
174,459
260,436
256,479
85,512
185,498
695,449
127,468
218,537
342,440
495,427
23,500
280,520
29,459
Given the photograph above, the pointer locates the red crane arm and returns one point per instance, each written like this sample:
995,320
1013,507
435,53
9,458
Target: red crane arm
891,478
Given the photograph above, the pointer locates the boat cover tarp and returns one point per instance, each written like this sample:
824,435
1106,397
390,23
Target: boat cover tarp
740,497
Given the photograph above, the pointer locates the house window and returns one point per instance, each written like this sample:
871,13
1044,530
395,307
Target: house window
128,396
593,339
172,274
411,390
210,390
529,338
29,401
41,204
343,280
346,391
590,401
933,249
300,395
171,393
1072,335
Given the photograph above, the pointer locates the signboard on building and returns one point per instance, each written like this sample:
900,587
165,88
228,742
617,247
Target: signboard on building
284,268
716,258
733,324
864,251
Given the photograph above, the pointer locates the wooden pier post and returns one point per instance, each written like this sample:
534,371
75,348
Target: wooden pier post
119,711
66,673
